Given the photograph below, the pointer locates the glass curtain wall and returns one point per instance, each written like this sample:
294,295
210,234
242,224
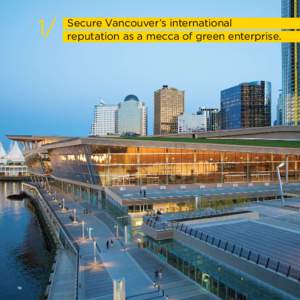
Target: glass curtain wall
117,166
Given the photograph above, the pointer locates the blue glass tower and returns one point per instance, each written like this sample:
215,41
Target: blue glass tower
246,105
290,105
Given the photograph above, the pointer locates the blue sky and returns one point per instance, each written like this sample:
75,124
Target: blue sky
47,87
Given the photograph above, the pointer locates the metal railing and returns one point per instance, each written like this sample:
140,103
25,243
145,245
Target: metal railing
66,235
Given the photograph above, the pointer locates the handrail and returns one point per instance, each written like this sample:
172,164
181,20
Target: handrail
68,237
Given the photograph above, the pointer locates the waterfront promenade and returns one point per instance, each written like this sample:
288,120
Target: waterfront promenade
135,265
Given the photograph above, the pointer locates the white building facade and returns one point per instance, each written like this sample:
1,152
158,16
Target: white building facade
188,123
132,116
105,120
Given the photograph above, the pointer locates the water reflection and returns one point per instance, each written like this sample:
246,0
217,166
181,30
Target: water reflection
24,255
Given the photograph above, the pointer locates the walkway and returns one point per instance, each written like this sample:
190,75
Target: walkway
64,269
135,265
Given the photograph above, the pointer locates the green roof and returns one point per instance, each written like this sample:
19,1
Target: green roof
241,142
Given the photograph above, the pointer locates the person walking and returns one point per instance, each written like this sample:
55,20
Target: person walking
160,273
156,275
107,244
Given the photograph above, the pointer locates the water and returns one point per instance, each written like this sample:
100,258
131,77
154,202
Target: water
24,257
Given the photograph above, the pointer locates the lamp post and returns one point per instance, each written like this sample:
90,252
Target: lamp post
74,216
280,182
90,232
63,204
95,251
117,231
82,224
125,235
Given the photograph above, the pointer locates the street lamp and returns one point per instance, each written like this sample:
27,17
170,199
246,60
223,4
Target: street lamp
280,181
90,233
82,224
74,216
63,204
95,251
117,231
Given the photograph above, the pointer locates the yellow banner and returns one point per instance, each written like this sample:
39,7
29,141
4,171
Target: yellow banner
180,23
180,37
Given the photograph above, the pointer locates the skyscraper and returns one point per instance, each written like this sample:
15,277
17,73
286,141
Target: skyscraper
168,105
105,121
132,116
246,105
279,109
212,116
290,70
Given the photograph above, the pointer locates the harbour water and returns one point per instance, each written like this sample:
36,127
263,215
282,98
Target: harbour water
25,256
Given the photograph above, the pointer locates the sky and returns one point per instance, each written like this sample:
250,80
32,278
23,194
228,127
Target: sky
50,88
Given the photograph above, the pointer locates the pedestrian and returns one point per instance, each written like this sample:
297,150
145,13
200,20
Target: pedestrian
160,273
107,244
156,275
111,243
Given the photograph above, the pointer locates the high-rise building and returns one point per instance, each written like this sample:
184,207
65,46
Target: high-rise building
212,116
168,105
188,123
290,70
246,105
279,109
105,119
132,116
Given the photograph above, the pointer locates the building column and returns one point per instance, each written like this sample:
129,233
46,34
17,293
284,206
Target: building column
222,168
89,195
248,175
195,163
167,168
287,169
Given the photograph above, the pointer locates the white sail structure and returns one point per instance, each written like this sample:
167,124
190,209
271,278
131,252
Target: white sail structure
2,154
2,151
15,154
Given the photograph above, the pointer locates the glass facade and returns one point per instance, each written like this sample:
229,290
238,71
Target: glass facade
246,105
118,165
221,280
290,70
74,163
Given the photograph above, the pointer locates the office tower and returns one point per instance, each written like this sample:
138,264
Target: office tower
212,116
279,109
168,105
290,69
188,123
246,105
104,119
132,116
